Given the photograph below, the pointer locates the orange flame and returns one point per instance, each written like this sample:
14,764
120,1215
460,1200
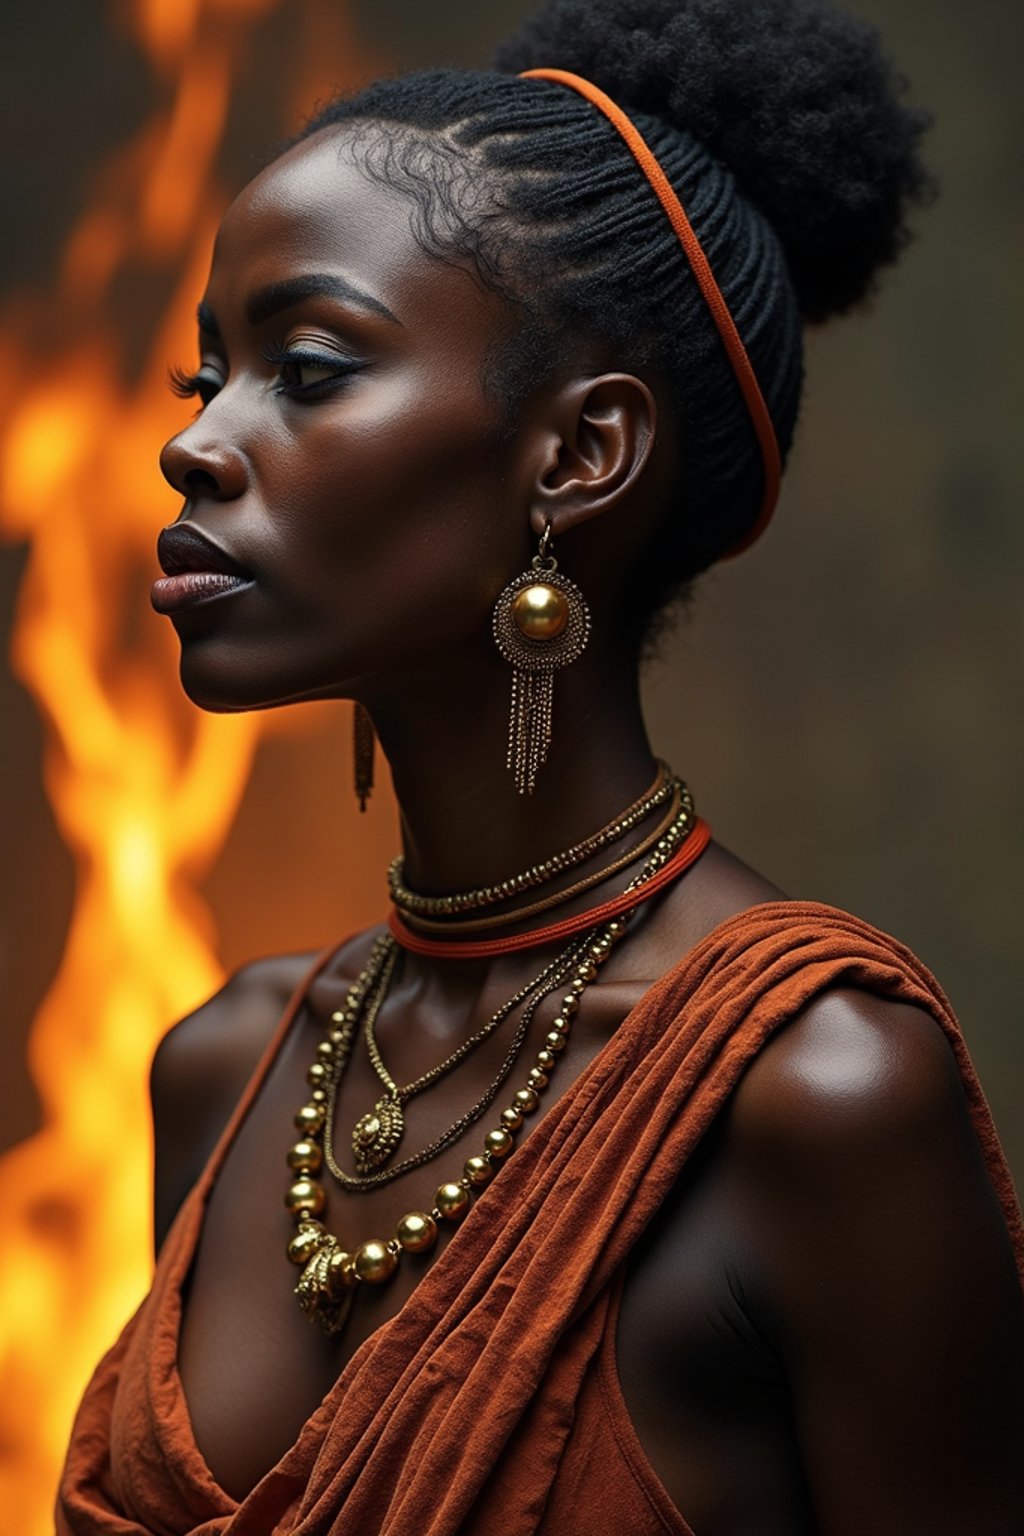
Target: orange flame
144,789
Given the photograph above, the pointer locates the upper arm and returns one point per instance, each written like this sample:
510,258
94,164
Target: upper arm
200,1070
886,1273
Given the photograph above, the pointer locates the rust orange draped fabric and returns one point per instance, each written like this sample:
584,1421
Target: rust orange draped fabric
489,1402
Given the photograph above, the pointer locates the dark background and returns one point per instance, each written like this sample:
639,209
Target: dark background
845,700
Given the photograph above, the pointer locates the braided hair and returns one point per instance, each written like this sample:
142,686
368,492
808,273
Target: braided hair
781,127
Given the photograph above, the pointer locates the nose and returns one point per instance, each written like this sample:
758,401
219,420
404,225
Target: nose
197,466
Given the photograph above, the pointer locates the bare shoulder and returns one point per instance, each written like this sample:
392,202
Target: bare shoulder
851,1070
851,1139
881,1266
201,1068
224,1037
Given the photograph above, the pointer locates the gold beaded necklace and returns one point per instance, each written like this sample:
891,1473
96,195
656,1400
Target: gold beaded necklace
331,1274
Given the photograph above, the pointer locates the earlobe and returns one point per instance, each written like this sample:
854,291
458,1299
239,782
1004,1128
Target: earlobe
606,429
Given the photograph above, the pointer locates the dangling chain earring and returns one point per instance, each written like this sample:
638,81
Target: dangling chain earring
363,740
541,623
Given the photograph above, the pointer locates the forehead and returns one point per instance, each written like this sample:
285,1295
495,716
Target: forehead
316,210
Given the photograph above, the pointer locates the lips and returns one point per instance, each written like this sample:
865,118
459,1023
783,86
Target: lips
182,548
196,570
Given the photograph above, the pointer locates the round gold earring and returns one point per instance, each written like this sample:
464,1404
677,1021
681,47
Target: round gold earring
541,623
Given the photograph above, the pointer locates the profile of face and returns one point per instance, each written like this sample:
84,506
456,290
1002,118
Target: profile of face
347,461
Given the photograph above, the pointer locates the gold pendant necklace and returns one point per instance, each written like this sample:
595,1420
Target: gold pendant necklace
331,1274
374,982
377,1133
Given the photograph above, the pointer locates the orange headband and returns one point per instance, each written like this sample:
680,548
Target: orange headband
724,323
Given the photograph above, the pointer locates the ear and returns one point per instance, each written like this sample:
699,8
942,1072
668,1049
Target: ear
600,436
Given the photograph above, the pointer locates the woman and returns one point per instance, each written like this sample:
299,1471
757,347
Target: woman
485,382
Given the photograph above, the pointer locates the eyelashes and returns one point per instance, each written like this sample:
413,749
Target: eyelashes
181,383
200,386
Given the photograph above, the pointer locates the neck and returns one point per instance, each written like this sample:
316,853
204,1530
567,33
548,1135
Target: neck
463,822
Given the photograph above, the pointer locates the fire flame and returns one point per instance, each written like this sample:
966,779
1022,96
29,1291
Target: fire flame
144,789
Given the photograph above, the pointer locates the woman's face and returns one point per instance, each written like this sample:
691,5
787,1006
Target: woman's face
346,462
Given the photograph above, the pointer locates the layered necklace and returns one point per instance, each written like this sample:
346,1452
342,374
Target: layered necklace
331,1273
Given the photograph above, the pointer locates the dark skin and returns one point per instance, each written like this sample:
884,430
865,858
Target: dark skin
822,1330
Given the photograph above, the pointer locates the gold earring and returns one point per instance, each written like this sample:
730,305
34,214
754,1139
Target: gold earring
541,623
363,742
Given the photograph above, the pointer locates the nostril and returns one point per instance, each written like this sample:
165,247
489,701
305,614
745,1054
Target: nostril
199,480
199,467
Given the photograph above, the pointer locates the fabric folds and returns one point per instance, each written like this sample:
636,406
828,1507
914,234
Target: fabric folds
474,1409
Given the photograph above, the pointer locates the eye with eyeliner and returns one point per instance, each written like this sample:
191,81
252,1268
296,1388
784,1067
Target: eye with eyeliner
289,361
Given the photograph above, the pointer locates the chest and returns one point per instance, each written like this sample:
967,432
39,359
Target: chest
254,1369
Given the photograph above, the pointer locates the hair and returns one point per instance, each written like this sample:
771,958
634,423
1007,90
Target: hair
783,130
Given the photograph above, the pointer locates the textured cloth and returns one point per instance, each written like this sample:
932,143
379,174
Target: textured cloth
414,1439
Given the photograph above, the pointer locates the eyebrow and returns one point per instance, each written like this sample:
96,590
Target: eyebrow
272,300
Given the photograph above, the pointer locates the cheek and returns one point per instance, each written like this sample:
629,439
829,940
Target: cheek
396,512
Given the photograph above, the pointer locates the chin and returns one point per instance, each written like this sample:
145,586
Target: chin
222,683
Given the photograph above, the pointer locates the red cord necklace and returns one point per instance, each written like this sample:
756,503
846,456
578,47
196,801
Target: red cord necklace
482,949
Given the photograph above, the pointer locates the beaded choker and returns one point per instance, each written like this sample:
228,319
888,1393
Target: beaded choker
409,902
670,866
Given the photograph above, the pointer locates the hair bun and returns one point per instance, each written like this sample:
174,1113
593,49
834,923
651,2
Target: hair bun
796,99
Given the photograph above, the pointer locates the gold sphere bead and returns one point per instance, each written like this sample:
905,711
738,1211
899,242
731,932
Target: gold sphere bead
511,1118
452,1201
341,1275
498,1143
374,1262
325,1050
545,1060
318,1096
305,1195
554,1041
540,611
587,971
417,1232
316,1075
560,1024
525,1100
304,1244
536,1078
570,1005
337,1018
578,984
304,1157
478,1170
309,1118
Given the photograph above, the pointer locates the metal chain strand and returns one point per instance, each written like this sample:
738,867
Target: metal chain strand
533,994
330,1274
541,985
502,890
459,926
